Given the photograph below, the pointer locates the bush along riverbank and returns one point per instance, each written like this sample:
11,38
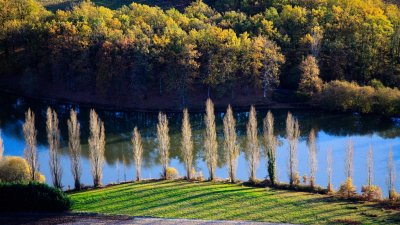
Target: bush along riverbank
32,197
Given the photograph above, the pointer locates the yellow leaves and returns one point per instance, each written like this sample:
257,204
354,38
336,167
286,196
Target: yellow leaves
371,192
307,39
161,41
14,169
268,28
347,189
294,14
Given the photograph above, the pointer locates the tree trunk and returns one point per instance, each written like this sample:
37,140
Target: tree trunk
137,175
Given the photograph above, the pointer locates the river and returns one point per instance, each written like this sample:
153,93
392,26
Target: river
333,131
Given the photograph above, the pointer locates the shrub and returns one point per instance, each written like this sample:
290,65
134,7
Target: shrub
371,192
393,195
16,169
171,173
198,176
32,197
377,84
347,189
349,96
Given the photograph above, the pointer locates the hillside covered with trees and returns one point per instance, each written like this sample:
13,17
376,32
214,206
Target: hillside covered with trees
230,48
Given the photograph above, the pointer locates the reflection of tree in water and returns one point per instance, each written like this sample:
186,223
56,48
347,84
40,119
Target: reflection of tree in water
119,126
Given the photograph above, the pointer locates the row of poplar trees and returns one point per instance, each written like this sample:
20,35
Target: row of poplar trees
230,147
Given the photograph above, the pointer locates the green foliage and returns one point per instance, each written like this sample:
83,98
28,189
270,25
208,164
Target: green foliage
32,197
345,96
16,169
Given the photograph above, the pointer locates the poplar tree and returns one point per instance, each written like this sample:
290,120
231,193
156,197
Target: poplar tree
253,146
163,142
210,139
97,144
292,135
53,137
347,189
187,144
391,179
270,143
349,159
74,146
137,151
370,166
230,143
30,151
329,170
312,157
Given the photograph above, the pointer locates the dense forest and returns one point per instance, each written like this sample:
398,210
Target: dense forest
324,49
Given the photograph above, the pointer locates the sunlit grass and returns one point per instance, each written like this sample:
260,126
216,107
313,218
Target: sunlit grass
180,199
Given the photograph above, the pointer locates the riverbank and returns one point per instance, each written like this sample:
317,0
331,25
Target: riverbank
221,201
152,102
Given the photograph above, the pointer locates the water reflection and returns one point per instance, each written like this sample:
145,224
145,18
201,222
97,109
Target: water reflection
332,131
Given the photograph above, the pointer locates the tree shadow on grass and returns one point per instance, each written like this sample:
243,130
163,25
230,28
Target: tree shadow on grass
176,198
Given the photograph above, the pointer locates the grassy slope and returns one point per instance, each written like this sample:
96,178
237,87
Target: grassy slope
180,199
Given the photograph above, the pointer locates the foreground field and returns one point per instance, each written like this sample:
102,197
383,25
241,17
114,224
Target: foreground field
217,201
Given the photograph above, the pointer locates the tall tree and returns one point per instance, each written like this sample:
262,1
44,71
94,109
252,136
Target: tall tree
349,159
391,179
187,144
370,166
266,61
210,139
30,152
163,142
53,137
253,146
97,142
310,83
329,170
317,35
137,151
74,146
292,135
270,143
230,143
312,157
347,189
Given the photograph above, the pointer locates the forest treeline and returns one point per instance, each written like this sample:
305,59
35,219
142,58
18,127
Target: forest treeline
254,45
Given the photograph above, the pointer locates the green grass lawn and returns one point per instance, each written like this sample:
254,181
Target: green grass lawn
205,200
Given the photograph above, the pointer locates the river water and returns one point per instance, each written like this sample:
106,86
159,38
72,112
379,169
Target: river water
333,131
